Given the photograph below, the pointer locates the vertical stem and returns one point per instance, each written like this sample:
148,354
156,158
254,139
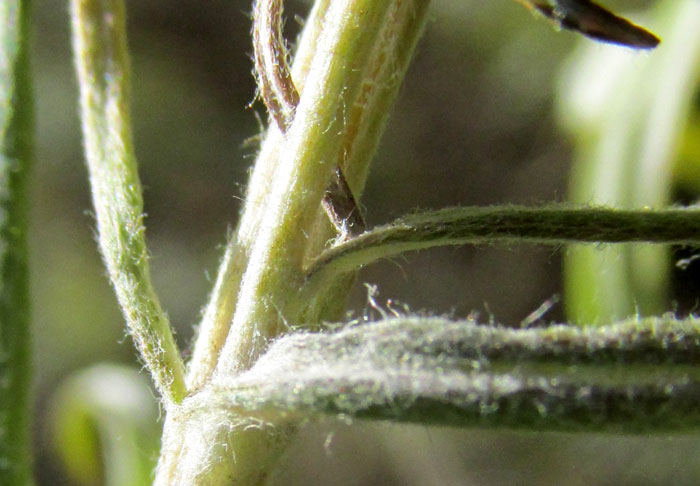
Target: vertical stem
99,42
365,126
274,273
16,151
218,313
263,270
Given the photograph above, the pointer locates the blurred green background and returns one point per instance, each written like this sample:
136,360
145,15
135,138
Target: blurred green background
475,124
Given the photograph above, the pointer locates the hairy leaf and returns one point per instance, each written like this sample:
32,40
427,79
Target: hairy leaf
632,376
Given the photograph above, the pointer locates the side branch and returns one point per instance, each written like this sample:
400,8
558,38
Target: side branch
101,60
281,98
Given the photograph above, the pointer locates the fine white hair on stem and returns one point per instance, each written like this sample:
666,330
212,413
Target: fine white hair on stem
102,64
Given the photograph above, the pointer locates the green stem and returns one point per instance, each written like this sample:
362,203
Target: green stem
99,42
16,151
546,225
264,265
365,125
275,269
218,313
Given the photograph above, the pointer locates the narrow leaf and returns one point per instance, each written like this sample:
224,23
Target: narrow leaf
594,21
633,376
552,225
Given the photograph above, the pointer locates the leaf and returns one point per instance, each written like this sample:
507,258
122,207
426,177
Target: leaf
633,376
553,225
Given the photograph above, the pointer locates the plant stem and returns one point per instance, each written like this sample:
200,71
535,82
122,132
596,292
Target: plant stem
263,269
274,77
364,127
99,42
364,121
546,225
16,152
218,313
275,269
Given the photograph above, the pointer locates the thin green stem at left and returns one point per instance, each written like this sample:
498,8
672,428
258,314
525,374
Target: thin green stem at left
16,142
101,58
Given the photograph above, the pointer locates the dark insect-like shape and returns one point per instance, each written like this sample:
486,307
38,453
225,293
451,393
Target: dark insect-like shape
594,21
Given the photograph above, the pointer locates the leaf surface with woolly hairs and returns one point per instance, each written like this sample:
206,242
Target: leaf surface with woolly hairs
634,376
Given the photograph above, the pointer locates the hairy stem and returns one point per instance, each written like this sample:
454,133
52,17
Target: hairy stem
218,313
16,151
364,127
264,265
99,42
275,269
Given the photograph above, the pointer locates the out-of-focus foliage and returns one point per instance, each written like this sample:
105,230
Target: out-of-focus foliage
105,427
686,172
628,115
16,154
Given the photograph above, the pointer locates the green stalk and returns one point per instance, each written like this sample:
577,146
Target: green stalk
99,42
218,313
16,152
274,273
365,125
283,201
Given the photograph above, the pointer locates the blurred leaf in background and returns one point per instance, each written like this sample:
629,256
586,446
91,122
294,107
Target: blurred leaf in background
628,115
105,427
